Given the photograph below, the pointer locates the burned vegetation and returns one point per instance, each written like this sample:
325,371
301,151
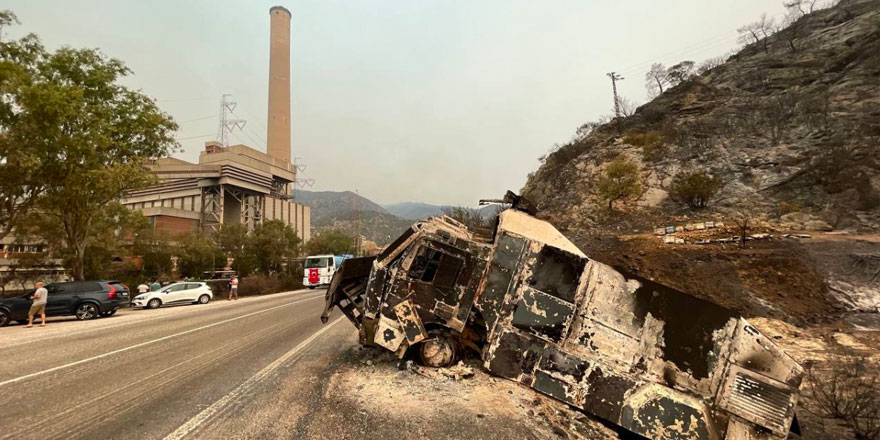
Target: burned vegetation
648,358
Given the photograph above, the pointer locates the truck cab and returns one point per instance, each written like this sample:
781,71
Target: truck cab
318,270
651,359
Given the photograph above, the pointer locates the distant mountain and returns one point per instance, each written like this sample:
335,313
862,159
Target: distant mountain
349,212
419,210
328,204
414,210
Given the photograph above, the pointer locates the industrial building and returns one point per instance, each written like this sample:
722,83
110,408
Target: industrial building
234,184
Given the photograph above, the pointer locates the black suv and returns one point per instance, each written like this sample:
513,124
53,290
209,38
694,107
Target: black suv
84,299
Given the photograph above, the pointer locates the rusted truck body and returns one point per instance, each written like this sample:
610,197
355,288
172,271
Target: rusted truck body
648,358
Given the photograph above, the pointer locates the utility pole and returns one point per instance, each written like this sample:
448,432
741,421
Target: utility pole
227,125
614,78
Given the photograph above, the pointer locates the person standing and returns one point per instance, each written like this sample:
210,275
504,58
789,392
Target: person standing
143,288
155,286
233,288
40,297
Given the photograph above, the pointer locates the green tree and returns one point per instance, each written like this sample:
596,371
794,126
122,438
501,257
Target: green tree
25,111
694,189
90,134
619,181
272,244
330,242
233,240
197,254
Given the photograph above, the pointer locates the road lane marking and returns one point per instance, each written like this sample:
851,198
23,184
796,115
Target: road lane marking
131,385
245,386
132,347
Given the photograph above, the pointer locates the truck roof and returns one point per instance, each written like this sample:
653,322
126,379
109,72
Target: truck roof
524,225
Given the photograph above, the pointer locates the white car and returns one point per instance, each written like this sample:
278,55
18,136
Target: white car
177,293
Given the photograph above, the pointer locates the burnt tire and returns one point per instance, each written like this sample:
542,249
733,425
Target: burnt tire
154,303
87,311
5,317
439,350
204,299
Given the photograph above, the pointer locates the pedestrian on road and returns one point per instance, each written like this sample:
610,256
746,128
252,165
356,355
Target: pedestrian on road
143,288
233,288
155,286
40,297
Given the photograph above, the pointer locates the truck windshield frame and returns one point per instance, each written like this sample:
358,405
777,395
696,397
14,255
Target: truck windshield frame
317,262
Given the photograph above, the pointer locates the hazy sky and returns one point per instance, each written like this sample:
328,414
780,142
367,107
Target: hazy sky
404,100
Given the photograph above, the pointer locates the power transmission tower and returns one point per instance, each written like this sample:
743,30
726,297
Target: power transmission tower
228,125
614,78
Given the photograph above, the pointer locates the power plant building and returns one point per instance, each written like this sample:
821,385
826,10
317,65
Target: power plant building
234,184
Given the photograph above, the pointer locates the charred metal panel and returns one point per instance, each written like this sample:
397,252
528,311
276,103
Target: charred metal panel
759,399
606,393
514,356
498,279
756,352
557,273
664,418
611,299
542,315
690,325
409,320
389,333
560,375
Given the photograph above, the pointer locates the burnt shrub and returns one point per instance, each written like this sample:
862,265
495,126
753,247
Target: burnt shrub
848,390
694,189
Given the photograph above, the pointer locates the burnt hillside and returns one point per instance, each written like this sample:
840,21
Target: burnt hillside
790,124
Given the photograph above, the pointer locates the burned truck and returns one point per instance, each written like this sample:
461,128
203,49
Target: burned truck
653,360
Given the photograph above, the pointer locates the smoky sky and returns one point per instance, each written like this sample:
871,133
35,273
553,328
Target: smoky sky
442,102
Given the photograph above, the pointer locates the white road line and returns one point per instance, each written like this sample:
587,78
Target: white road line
245,386
132,347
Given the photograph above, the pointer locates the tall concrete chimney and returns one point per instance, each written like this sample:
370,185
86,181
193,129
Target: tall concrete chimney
278,135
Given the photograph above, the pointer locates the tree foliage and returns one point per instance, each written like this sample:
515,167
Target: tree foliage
197,254
272,245
330,242
680,73
619,181
758,31
234,240
78,138
694,189
656,79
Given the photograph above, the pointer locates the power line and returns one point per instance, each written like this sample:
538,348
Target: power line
194,137
184,99
197,119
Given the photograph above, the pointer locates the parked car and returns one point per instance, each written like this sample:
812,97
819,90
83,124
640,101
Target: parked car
83,299
175,293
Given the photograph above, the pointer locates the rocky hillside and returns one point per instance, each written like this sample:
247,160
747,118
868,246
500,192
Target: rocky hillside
790,125
327,204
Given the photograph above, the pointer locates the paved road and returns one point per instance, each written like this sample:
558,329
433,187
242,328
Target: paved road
201,371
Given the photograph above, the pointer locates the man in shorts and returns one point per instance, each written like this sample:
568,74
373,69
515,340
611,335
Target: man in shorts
40,297
233,288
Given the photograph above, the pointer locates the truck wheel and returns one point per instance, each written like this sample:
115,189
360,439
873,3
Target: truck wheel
437,351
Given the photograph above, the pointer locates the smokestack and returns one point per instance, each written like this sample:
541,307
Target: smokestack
278,135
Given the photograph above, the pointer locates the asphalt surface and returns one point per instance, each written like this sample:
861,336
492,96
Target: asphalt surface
240,369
